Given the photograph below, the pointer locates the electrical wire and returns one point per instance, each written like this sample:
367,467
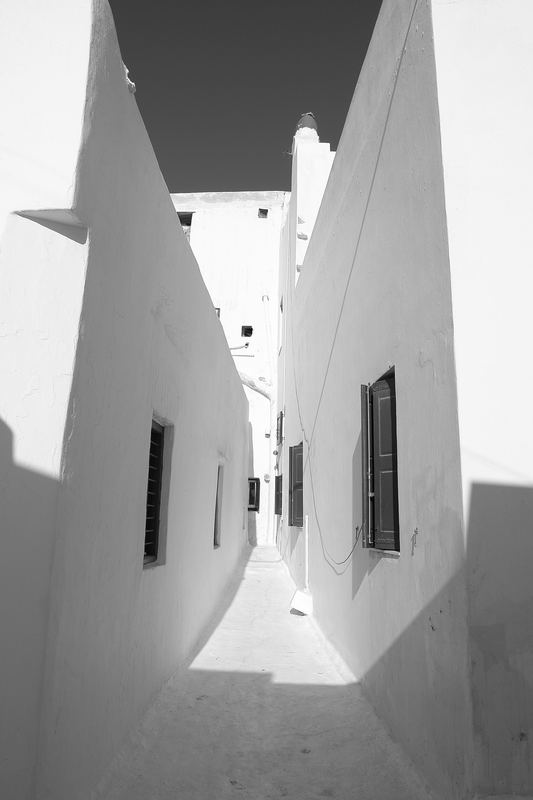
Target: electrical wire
333,563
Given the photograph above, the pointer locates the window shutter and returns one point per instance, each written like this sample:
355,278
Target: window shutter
386,529
153,493
368,540
279,428
278,495
296,485
254,488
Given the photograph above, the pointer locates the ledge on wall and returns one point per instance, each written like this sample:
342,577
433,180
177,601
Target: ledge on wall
61,220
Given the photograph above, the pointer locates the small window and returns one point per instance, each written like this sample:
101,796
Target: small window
218,507
185,218
296,485
217,312
153,494
262,213
246,331
279,428
380,472
254,488
278,495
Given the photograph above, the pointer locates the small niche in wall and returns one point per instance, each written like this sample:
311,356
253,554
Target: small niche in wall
262,213
185,218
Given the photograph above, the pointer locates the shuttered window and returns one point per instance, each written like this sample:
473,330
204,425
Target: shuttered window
296,485
218,506
380,472
153,493
254,490
278,490
279,428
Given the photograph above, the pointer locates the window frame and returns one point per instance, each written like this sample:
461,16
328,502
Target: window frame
278,495
374,535
296,486
185,219
279,428
157,550
217,523
254,494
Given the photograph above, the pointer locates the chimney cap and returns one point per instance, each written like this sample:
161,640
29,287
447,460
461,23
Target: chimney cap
307,120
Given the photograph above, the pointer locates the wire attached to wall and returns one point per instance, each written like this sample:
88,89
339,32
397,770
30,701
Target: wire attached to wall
333,563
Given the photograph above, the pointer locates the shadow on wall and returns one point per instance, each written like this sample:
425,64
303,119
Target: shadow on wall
27,503
499,586
500,594
252,515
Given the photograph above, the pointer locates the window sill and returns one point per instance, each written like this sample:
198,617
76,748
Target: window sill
383,553
152,562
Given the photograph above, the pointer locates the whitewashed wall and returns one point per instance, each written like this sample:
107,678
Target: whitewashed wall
238,254
105,321
484,59
374,292
311,166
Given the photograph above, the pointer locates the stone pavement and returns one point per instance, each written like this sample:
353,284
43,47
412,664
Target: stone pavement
264,711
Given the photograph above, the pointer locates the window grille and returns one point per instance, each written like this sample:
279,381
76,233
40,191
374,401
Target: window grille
153,493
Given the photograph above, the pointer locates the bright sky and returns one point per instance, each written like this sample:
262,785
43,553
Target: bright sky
221,86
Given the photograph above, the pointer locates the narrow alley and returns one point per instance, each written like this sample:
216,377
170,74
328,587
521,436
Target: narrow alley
265,710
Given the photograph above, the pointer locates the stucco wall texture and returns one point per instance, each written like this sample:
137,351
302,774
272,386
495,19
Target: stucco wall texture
484,67
105,322
419,259
238,252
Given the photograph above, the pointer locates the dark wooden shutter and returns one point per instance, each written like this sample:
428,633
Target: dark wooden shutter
367,504
278,495
218,506
296,485
386,529
153,494
279,428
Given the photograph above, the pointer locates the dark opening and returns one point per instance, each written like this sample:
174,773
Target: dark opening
278,495
218,507
246,330
279,428
263,213
185,218
380,471
254,488
153,494
296,489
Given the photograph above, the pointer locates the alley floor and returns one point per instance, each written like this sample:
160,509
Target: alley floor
265,710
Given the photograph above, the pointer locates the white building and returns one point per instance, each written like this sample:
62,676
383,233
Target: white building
106,325
236,238
414,297
378,318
